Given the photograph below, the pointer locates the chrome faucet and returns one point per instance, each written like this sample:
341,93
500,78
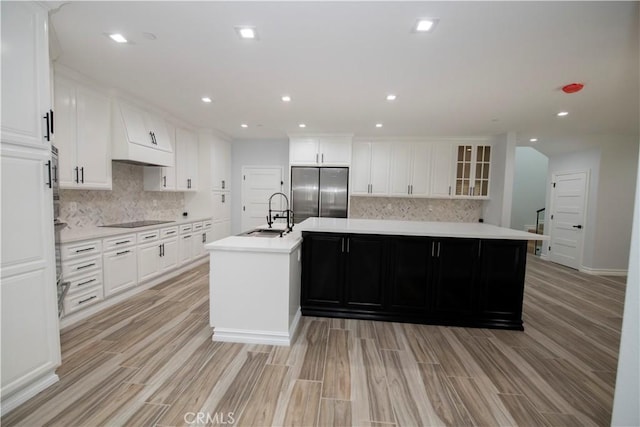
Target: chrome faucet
280,214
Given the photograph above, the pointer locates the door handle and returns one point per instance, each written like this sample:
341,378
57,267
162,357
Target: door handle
46,118
578,226
50,183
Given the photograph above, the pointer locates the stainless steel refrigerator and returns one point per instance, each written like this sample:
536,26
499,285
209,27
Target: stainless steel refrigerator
319,192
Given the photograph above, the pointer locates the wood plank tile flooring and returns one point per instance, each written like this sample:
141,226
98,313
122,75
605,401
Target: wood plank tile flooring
150,361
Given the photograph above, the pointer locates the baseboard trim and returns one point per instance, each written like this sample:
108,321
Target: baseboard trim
73,318
12,401
247,336
603,271
294,325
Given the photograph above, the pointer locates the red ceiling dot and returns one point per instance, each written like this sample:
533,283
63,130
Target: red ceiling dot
572,88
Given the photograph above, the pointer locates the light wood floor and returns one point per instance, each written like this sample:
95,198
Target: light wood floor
150,361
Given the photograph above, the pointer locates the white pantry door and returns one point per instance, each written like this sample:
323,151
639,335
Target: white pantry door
568,203
258,184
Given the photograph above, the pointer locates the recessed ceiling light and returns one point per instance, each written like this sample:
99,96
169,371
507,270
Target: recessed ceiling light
206,99
247,32
244,125
425,25
149,36
286,98
533,140
302,125
378,125
391,97
118,38
563,113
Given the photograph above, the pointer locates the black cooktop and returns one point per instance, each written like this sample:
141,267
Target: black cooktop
136,224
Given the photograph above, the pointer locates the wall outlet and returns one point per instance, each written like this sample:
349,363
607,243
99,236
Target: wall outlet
155,203
73,206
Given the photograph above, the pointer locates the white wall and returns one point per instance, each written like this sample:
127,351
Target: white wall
626,411
529,186
618,170
497,210
255,153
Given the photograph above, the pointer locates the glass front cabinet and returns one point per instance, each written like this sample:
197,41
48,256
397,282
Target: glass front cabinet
473,163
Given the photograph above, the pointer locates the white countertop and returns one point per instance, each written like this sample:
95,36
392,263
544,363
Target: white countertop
286,244
415,228
68,235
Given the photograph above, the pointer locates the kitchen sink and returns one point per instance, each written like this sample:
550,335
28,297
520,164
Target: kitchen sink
263,232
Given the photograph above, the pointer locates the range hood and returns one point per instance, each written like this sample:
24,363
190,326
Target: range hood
139,137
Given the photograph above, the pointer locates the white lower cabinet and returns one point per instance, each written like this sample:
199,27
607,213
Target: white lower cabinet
185,248
169,258
149,256
97,269
157,257
82,269
120,270
83,299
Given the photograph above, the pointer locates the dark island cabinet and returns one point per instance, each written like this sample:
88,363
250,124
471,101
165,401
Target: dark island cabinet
501,287
410,270
323,270
455,278
446,281
366,261
342,272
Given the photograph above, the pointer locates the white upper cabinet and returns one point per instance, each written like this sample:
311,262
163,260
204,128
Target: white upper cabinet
441,169
221,207
158,178
26,96
161,178
370,168
410,169
186,160
472,173
320,151
221,165
303,151
83,136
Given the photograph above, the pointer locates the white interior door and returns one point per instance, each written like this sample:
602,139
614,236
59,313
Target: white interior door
568,202
258,184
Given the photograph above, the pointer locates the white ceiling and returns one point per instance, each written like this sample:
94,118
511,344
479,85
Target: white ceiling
488,68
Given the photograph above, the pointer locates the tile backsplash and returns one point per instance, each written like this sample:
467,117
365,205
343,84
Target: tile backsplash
127,201
444,210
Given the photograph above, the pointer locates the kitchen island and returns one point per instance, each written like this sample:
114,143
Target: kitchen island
464,274
255,288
